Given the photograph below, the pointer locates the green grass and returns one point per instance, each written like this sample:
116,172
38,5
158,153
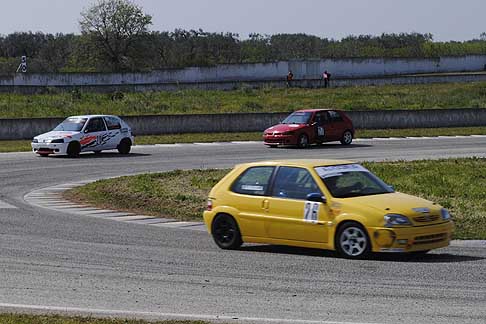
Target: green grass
55,319
23,146
14,146
56,104
457,184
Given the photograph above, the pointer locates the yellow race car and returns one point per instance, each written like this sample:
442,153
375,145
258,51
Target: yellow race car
325,204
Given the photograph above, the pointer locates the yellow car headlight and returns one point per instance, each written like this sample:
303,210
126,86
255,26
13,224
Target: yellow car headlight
392,220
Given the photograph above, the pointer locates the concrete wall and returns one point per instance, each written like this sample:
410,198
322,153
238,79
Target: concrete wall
304,70
247,122
430,118
232,85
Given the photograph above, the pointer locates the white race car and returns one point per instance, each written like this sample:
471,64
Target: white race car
91,133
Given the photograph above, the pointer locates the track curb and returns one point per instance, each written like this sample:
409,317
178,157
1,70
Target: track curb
52,198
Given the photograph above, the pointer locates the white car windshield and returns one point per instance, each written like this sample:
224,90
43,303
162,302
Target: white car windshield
352,180
71,125
298,118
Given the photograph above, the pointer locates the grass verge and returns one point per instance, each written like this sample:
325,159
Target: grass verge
55,319
14,146
23,146
56,104
457,184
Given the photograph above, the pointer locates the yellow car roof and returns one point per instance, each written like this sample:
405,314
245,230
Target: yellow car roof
310,163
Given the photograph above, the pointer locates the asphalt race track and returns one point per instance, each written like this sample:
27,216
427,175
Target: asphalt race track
51,261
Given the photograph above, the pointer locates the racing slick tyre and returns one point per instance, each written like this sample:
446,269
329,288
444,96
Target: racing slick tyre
303,141
73,150
347,138
352,241
125,146
226,233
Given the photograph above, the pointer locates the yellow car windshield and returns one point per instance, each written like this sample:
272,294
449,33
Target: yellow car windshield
352,180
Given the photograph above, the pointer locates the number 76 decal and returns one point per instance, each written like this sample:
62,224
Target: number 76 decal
311,211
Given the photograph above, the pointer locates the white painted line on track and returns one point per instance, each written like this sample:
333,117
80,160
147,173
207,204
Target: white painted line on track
81,209
112,214
469,243
160,145
97,211
168,316
246,142
147,221
178,224
68,206
206,143
4,205
132,218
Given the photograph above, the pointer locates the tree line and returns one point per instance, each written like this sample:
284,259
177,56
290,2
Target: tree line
115,38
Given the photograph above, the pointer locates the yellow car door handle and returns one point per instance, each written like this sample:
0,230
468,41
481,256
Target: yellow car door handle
265,204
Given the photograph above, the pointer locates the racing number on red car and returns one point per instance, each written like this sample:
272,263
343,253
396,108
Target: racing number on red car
311,211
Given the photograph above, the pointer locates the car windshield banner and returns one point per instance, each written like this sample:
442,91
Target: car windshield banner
337,170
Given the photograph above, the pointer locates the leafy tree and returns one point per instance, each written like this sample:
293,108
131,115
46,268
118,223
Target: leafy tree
118,46
114,27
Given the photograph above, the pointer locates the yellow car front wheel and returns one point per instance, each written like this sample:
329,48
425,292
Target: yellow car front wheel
352,241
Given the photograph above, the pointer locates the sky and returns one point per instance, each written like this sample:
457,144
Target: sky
445,19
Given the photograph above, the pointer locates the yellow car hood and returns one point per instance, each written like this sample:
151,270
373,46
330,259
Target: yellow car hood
392,203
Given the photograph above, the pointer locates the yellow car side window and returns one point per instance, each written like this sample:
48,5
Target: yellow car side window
253,181
294,183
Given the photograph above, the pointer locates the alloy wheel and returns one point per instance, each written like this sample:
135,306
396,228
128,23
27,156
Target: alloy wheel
353,241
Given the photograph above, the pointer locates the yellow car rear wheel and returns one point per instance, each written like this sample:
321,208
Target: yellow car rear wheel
226,233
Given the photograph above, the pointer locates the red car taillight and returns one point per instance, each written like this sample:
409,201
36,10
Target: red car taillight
210,205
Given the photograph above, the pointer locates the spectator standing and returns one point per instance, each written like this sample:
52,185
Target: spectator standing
326,76
290,78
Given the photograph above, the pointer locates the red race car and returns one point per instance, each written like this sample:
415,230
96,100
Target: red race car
309,126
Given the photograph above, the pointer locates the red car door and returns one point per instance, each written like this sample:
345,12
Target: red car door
337,125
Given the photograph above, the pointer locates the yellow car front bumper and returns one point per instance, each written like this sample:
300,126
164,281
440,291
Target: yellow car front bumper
411,239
